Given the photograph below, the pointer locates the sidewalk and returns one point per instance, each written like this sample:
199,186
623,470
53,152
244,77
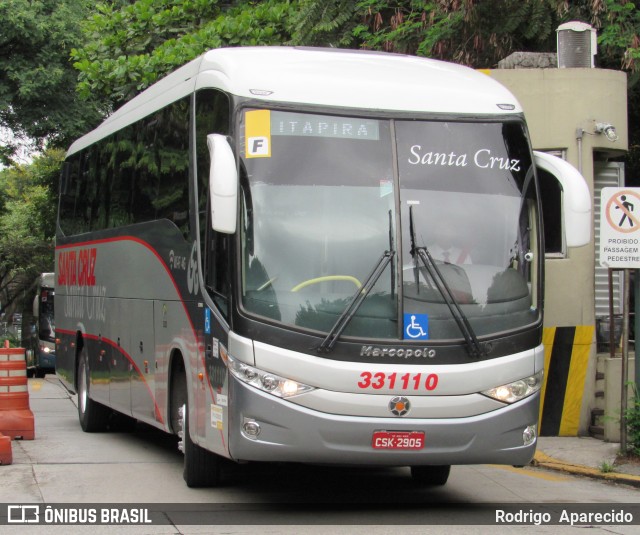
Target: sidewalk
587,456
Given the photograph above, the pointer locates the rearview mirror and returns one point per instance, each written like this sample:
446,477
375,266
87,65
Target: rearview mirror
576,198
223,184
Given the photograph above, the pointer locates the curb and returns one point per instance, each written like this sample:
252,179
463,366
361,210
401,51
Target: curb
542,460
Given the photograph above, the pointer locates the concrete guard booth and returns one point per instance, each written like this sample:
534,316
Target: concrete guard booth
579,113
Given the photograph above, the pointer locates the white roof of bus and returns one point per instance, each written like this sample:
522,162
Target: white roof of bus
47,280
324,77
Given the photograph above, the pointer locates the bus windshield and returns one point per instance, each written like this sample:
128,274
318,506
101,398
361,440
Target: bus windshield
324,197
46,321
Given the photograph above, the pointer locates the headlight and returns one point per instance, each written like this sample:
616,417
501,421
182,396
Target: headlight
266,381
512,392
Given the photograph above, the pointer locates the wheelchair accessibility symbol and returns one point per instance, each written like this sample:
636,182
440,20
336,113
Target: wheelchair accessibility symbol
416,326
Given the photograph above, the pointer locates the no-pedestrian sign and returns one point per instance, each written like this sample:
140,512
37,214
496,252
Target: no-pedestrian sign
620,228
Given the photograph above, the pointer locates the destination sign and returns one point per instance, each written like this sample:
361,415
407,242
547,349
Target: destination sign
304,124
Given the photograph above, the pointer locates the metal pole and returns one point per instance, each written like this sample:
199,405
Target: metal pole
636,330
579,134
624,367
612,339
636,324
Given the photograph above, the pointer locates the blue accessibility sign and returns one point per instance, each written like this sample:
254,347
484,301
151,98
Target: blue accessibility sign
416,326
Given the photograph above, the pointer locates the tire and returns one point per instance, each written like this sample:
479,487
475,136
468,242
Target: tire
432,476
201,467
93,416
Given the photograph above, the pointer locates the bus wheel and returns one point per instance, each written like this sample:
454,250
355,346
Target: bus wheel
431,475
201,467
93,416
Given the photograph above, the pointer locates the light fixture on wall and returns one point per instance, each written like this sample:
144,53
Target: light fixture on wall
608,130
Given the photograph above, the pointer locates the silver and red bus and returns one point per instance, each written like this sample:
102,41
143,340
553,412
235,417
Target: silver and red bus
311,256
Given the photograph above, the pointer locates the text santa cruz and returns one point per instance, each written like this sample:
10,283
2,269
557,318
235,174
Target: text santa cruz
482,158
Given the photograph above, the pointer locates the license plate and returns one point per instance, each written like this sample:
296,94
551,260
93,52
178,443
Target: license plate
398,440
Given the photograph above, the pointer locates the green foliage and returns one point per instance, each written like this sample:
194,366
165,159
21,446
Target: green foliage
472,33
620,36
27,223
606,467
619,48
330,23
633,425
13,339
37,85
118,42
128,49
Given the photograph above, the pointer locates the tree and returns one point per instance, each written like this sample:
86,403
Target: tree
620,35
473,33
330,23
619,42
478,34
37,81
128,48
27,223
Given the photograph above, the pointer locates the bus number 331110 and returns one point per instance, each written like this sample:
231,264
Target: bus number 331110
406,381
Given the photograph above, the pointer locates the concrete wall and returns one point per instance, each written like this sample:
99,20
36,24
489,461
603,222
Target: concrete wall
558,103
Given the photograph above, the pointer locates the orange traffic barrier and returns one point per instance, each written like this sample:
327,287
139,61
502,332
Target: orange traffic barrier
6,456
16,418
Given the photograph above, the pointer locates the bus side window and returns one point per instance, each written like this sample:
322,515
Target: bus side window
212,117
69,191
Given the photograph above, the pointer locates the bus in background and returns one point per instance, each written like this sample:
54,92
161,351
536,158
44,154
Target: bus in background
315,256
42,357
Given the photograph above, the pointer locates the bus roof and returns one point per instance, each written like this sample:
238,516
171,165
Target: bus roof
47,280
322,77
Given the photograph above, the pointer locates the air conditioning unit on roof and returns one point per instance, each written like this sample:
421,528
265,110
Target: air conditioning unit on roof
577,45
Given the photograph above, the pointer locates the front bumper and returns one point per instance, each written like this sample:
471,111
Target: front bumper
292,433
46,361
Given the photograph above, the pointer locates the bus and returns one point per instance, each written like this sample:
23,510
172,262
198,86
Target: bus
41,359
319,256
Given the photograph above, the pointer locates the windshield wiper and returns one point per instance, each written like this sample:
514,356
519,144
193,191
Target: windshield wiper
357,300
473,345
